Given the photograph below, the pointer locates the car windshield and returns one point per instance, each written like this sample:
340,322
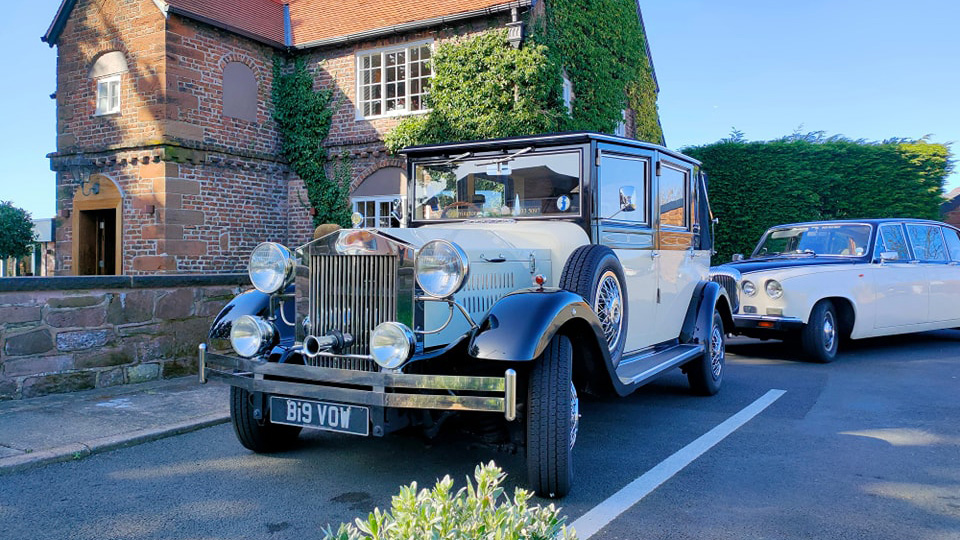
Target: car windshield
515,185
839,240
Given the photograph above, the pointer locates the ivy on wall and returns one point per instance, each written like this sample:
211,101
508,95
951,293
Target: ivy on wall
484,88
303,117
756,185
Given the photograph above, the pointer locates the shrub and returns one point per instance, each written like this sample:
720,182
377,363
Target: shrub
474,512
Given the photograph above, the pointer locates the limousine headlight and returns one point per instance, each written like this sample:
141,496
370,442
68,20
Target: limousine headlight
441,268
250,335
271,267
391,344
774,289
748,288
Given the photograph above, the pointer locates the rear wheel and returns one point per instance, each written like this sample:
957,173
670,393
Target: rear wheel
260,437
553,413
706,374
820,337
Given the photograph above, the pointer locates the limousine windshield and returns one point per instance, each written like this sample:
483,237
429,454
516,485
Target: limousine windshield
838,240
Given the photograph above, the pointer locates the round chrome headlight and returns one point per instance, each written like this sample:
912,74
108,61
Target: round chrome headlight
271,267
391,344
250,335
441,268
774,289
748,288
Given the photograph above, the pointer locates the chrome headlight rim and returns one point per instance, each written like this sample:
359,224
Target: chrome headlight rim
773,288
397,349
282,267
748,288
462,261
251,336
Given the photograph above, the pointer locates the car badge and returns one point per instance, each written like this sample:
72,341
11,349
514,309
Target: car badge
563,203
356,218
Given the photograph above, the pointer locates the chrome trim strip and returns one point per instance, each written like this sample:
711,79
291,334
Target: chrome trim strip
771,318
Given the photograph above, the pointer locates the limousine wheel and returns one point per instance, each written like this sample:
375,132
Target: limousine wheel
264,438
706,374
552,418
821,336
594,272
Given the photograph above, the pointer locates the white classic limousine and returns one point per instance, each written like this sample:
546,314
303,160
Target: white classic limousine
825,281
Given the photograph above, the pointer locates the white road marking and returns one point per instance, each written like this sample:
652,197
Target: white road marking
599,516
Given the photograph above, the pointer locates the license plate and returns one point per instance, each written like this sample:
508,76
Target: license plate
320,415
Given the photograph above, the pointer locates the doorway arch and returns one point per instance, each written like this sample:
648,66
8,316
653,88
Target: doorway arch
97,223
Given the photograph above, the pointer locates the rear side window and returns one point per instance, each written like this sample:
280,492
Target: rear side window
891,239
953,243
927,242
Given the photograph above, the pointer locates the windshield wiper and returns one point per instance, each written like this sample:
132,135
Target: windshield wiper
508,158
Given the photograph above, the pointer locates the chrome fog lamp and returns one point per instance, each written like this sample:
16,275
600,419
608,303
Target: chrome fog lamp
748,288
271,267
441,268
391,344
250,335
774,289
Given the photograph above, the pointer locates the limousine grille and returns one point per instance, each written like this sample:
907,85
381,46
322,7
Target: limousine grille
351,294
729,279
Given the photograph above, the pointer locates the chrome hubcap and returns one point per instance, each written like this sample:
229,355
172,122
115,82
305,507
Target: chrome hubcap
829,331
574,414
609,309
717,351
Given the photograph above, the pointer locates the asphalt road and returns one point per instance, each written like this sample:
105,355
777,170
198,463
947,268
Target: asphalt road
866,447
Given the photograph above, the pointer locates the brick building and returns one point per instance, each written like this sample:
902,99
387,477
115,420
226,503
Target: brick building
167,153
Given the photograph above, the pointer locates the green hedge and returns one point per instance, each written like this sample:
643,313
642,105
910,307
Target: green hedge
755,185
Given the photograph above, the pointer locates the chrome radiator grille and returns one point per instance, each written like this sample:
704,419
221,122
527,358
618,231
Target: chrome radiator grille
351,294
729,279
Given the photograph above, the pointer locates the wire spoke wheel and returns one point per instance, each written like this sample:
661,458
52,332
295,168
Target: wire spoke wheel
609,308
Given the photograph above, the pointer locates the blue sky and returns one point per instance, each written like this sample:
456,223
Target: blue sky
871,69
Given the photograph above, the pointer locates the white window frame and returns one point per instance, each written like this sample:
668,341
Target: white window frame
567,93
383,51
378,202
112,81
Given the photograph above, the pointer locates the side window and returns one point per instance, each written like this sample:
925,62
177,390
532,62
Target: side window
953,243
927,242
891,239
673,196
106,72
239,92
623,174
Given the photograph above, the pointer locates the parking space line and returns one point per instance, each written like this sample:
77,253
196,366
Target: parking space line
599,516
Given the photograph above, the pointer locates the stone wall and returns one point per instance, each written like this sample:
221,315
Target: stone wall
68,334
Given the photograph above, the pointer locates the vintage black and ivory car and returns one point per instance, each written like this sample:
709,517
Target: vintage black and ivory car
522,273
825,281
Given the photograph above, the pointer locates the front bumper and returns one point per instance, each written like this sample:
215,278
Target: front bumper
376,389
767,322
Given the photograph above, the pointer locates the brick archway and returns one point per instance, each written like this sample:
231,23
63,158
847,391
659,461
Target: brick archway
382,164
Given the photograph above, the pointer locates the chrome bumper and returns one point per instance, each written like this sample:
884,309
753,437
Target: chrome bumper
767,322
385,389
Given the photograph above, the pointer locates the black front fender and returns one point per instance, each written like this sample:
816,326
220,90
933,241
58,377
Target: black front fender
699,318
521,324
252,302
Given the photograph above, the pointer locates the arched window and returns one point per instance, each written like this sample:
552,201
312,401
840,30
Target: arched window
239,92
107,72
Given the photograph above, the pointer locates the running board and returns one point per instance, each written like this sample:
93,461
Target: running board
638,369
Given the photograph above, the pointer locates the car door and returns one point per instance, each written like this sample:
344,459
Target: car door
900,286
931,248
945,299
630,234
681,265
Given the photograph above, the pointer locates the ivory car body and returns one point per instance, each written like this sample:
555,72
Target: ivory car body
522,273
825,281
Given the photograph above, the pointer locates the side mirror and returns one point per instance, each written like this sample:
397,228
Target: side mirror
888,256
396,211
628,200
737,257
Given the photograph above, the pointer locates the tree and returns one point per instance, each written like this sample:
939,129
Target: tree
16,231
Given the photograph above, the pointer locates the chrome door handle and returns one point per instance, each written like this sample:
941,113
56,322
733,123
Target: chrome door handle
654,254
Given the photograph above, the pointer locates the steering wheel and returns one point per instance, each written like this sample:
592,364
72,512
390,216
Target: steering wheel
457,205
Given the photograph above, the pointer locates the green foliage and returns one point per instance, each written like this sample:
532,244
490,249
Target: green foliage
475,511
303,117
16,231
755,185
602,47
484,88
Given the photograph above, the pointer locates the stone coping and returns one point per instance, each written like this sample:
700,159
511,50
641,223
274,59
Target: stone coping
29,283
